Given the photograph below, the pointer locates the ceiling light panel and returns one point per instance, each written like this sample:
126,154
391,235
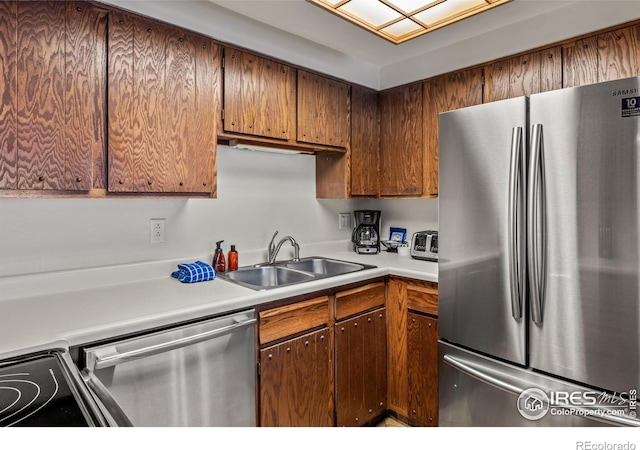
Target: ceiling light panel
408,7
401,20
448,10
372,12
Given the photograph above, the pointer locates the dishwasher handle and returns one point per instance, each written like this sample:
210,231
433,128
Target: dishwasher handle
109,356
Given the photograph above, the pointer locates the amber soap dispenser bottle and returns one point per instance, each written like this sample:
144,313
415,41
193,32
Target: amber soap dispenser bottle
218,258
233,258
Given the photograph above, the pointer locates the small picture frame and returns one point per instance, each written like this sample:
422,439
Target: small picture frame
398,234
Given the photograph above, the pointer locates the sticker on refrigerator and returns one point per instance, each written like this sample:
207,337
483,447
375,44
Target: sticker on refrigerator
631,107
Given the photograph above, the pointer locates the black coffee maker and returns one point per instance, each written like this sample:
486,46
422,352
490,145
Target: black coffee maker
366,234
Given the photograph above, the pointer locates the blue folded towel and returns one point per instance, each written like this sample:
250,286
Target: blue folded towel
194,272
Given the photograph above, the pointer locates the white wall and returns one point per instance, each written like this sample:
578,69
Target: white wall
258,193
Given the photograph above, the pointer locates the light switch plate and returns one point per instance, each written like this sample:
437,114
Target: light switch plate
344,221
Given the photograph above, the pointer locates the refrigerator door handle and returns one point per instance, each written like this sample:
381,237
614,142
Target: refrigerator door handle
515,232
492,378
536,219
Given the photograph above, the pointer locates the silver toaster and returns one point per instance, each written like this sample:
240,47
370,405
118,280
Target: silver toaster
424,245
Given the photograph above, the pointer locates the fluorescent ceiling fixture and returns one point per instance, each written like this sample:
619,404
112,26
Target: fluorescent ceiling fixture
401,20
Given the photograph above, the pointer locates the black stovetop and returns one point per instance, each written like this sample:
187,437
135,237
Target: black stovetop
34,391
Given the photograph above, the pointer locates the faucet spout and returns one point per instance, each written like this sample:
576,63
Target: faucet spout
273,250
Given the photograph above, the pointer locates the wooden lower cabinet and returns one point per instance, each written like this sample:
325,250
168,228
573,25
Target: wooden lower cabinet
422,352
361,368
295,382
412,337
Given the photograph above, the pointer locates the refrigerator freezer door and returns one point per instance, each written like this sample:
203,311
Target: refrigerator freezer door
481,269
482,392
590,314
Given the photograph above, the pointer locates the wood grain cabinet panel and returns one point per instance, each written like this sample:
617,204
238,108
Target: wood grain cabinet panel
401,154
607,56
619,54
444,93
259,96
365,141
9,97
288,320
295,382
422,350
523,75
412,346
52,110
398,389
164,88
323,110
360,299
361,368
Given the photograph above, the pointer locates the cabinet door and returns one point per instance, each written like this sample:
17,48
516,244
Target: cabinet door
608,56
361,368
295,382
323,110
523,75
163,93
9,97
580,62
619,54
365,141
53,82
259,96
445,93
401,155
422,350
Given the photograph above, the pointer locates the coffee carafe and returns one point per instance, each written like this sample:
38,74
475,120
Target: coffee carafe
366,234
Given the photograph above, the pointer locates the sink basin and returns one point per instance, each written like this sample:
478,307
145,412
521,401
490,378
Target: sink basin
267,277
324,266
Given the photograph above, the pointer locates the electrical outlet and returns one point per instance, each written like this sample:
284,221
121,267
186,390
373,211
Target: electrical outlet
344,221
156,230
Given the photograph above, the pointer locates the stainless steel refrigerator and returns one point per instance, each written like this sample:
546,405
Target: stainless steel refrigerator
539,282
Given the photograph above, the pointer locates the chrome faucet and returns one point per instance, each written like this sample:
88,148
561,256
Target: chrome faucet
272,250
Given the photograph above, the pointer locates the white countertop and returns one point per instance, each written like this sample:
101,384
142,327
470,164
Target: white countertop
79,307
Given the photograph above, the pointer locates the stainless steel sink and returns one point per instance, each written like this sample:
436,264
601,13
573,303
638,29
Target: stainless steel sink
324,266
285,273
267,277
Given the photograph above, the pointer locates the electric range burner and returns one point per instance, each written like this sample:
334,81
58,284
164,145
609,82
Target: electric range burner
37,391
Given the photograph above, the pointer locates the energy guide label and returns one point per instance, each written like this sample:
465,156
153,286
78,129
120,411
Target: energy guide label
631,107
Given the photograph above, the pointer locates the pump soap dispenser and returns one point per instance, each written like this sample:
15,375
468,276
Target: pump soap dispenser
218,258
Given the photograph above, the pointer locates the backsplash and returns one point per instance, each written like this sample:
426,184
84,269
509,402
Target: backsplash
258,193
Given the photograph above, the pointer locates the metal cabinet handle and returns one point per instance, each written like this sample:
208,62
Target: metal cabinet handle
112,357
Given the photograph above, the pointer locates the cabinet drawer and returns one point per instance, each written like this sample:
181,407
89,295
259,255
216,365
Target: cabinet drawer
423,299
288,320
359,299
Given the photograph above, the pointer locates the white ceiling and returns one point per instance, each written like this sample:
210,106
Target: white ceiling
304,34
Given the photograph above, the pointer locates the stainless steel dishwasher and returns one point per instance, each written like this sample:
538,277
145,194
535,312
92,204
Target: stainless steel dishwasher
202,374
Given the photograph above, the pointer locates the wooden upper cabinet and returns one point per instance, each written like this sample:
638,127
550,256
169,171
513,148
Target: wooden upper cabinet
401,154
619,54
580,62
445,93
523,75
163,93
259,96
52,108
323,110
608,56
365,141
